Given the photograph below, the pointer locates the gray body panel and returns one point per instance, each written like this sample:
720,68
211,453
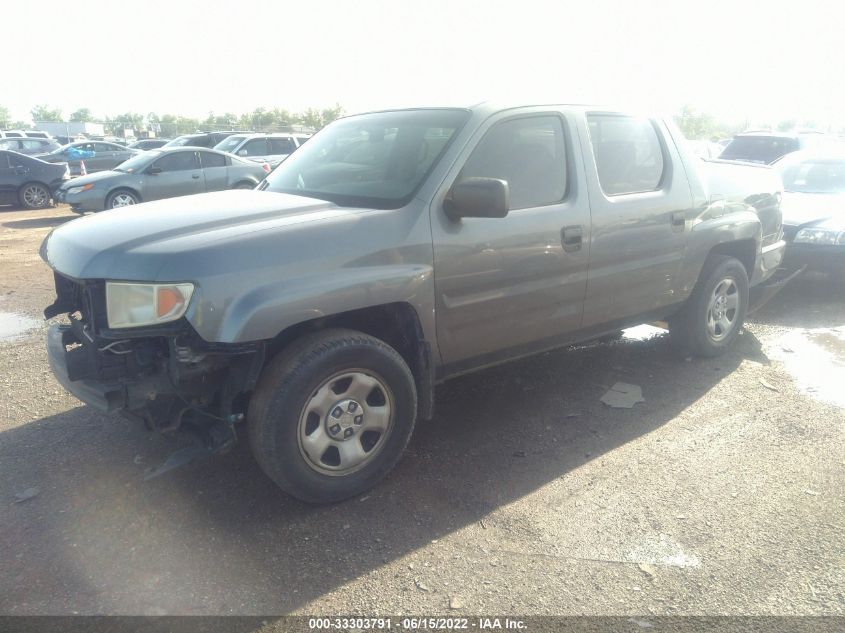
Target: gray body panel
484,289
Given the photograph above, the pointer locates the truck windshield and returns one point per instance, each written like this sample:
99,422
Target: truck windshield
375,160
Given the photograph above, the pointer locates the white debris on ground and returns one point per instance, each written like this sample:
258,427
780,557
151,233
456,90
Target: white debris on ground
623,396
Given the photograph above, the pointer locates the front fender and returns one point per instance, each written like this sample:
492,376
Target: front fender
264,311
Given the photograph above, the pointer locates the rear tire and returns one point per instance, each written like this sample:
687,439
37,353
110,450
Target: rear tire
244,185
713,315
34,195
332,414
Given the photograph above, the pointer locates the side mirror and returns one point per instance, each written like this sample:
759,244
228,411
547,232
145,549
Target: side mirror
242,152
152,171
478,198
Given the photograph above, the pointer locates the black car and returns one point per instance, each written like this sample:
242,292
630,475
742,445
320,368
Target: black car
149,143
28,181
29,146
204,139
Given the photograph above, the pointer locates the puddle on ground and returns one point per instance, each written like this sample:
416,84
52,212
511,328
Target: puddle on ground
15,326
642,333
816,359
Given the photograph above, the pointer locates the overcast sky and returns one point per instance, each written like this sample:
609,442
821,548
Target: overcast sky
763,61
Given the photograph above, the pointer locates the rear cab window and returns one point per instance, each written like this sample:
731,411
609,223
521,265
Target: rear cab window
628,153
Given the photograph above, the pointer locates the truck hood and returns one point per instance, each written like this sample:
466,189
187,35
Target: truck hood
151,241
813,209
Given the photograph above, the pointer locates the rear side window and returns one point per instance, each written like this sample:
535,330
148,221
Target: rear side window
212,160
629,158
178,161
281,145
529,154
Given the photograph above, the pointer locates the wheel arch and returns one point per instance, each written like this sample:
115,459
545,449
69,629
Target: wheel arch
397,324
131,190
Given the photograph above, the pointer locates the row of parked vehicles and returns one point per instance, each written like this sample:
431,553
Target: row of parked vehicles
396,250
113,175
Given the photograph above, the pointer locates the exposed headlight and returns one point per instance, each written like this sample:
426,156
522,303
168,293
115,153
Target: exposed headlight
820,236
80,189
134,305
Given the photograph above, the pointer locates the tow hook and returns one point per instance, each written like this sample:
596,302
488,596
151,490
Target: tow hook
207,440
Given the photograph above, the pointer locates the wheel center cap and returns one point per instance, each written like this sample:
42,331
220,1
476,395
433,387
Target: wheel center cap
344,419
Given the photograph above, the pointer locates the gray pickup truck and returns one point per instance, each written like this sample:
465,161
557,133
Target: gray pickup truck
391,252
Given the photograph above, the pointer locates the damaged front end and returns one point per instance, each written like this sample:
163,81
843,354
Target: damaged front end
164,375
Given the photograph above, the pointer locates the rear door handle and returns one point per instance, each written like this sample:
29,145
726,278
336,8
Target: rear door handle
570,237
678,220
195,176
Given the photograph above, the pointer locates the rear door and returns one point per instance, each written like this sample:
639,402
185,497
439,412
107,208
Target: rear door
214,170
641,211
180,175
515,284
12,176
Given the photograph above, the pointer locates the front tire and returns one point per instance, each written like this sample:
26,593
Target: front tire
121,198
713,315
34,195
332,414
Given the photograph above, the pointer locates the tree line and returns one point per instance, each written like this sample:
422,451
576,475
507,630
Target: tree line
693,123
169,125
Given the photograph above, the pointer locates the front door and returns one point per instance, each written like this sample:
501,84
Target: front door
180,175
641,211
514,284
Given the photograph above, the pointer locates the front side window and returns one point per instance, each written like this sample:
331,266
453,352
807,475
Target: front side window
178,161
629,157
376,160
529,154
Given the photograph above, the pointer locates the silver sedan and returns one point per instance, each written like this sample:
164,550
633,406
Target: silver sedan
161,173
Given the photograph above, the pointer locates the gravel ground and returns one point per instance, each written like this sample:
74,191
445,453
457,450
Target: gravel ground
722,493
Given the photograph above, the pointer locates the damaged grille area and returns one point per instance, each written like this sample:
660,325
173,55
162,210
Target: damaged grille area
89,356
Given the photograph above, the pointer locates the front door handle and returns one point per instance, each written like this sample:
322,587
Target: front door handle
570,237
678,220
195,176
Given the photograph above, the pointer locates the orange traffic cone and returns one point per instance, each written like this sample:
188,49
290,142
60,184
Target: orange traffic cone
82,170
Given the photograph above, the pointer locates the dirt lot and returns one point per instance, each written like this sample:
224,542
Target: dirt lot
722,493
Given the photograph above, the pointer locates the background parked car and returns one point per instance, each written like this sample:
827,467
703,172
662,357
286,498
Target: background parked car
813,209
265,148
98,155
767,147
203,139
28,181
29,146
161,173
149,143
